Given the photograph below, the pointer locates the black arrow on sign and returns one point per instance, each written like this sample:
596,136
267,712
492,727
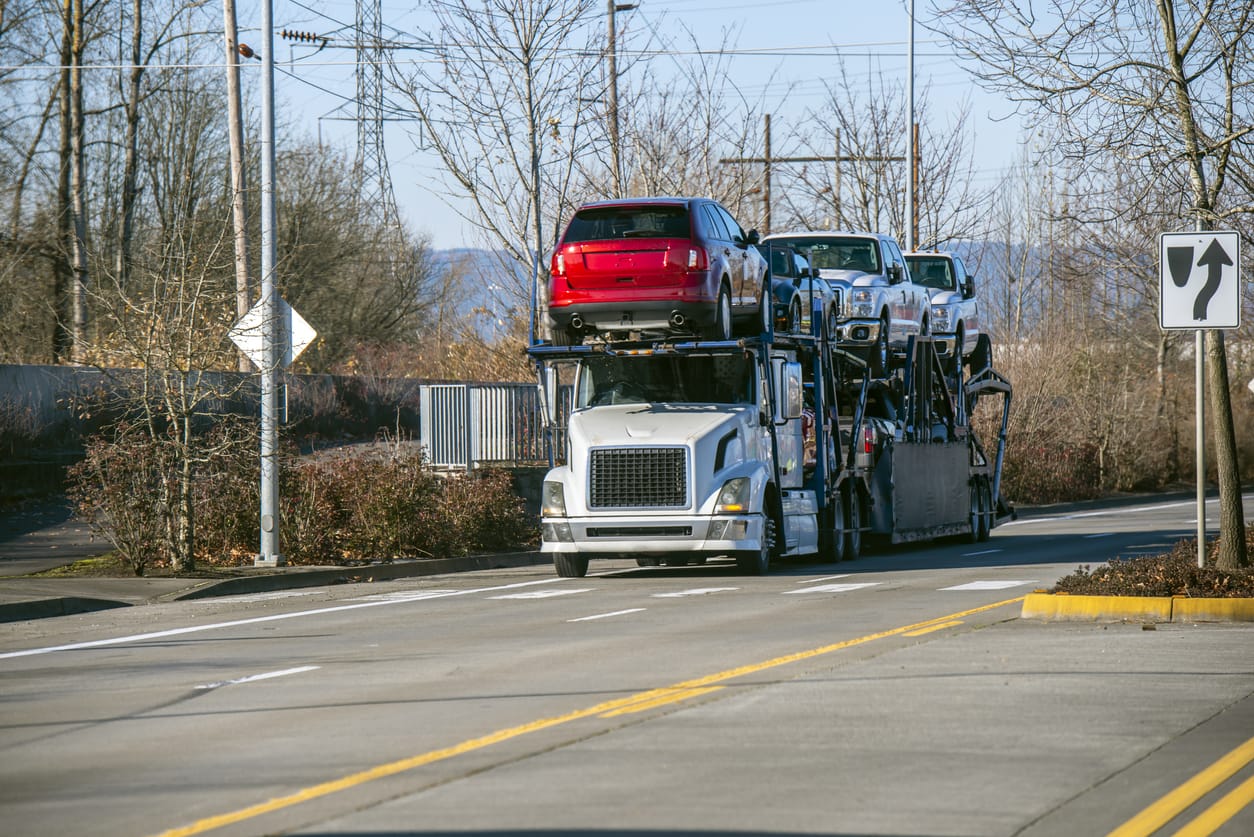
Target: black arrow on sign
1214,260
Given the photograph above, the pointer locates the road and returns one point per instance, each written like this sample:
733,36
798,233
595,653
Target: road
898,695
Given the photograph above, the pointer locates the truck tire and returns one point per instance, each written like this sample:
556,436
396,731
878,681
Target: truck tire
758,561
722,329
979,509
982,357
879,356
833,544
570,566
853,524
794,316
986,519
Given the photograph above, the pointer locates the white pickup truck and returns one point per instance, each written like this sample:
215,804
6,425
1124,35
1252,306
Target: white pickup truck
881,307
955,315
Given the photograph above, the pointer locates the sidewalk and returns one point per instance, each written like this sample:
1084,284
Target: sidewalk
45,536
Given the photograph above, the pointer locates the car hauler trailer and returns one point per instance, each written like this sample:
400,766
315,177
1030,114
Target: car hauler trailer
760,448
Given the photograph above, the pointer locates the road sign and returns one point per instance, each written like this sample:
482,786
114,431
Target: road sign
1199,280
292,333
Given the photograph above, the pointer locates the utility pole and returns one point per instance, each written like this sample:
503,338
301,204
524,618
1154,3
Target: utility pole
768,161
912,220
616,160
235,136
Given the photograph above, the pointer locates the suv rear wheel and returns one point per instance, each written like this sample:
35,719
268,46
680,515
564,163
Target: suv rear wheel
722,328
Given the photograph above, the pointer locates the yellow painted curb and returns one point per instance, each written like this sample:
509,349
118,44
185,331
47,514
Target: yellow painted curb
1066,608
1212,610
1096,608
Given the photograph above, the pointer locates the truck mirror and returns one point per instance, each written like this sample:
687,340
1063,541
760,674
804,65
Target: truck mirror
791,392
894,273
968,287
753,237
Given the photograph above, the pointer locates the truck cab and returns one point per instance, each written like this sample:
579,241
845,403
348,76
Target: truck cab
678,454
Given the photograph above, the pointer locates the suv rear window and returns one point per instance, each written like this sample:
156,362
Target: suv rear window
608,223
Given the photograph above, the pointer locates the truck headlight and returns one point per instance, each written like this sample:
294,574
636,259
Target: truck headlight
553,500
942,318
861,303
733,497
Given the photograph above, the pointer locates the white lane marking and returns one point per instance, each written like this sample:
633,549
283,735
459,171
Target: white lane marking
1099,535
260,597
981,552
607,615
988,585
403,596
542,594
833,588
256,620
252,678
824,578
696,591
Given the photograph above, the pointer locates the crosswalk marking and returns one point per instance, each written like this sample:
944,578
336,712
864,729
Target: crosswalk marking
987,585
833,588
542,594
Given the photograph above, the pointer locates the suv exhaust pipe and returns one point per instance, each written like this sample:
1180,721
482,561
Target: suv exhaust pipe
576,322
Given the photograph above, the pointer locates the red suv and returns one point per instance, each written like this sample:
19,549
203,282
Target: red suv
648,265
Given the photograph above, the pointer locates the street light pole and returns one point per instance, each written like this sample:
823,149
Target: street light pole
911,232
269,555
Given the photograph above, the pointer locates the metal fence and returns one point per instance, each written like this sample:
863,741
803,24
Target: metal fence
471,425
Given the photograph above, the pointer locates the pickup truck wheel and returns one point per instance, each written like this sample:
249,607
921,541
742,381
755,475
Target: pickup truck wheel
960,337
570,566
853,524
766,307
758,561
878,356
722,316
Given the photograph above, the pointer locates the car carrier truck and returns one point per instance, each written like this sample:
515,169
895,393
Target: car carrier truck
759,449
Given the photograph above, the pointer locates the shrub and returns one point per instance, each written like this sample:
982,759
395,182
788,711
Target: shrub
1173,574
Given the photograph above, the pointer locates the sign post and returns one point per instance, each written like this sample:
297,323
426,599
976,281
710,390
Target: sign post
1199,288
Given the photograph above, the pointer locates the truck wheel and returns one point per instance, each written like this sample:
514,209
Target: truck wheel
986,519
979,525
879,356
853,524
758,561
955,362
794,316
766,307
834,540
570,566
722,316
982,357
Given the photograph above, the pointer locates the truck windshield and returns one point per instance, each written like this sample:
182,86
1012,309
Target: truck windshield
839,253
665,379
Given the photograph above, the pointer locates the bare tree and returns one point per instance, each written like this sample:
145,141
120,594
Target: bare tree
502,107
1165,84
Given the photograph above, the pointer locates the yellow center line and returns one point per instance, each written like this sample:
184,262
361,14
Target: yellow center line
1169,806
652,697
1208,822
930,628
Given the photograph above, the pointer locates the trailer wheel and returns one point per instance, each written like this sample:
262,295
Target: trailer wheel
758,561
570,566
853,524
979,511
834,538
722,329
986,519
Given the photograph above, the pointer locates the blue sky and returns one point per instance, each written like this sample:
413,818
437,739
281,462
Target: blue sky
769,36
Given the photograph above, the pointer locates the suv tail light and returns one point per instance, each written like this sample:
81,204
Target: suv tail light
868,440
697,259
558,267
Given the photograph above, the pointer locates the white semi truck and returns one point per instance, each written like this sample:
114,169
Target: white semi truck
759,449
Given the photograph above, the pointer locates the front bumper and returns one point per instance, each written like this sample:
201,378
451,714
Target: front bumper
706,534
858,332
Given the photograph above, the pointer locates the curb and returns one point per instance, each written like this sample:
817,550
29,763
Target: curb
1066,608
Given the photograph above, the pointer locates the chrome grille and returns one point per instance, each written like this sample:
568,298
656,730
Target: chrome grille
639,478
